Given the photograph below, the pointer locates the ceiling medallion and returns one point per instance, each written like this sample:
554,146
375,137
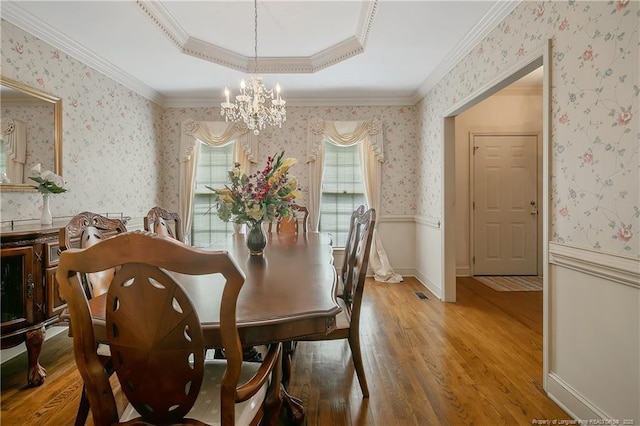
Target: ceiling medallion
256,105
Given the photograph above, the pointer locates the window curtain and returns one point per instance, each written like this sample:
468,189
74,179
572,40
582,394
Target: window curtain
212,133
14,133
368,135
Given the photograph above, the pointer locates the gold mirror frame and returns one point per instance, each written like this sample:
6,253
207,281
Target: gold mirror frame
57,131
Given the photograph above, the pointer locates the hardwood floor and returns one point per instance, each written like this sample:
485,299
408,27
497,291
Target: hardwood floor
478,361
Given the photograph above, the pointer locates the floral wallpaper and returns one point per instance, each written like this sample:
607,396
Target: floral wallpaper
399,171
38,120
110,134
594,166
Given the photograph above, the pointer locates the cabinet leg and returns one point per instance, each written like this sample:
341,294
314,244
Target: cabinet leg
37,373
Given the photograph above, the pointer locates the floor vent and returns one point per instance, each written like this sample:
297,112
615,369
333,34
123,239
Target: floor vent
421,295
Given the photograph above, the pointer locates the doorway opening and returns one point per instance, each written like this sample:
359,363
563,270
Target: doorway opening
538,58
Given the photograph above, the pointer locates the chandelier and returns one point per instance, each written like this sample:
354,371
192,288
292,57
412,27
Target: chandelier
256,105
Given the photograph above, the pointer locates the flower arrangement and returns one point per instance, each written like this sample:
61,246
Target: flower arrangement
262,196
48,182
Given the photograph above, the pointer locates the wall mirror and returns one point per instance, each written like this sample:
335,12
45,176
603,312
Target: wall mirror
31,133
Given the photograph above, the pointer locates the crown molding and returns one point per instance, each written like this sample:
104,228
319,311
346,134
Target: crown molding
498,12
201,49
13,13
214,102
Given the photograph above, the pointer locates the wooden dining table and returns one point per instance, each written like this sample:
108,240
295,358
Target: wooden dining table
288,294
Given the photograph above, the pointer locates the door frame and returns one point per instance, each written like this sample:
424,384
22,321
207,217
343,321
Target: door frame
539,194
540,56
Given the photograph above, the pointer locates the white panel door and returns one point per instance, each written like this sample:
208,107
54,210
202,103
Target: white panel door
505,204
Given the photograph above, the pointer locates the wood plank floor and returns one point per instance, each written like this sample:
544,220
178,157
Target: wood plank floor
478,361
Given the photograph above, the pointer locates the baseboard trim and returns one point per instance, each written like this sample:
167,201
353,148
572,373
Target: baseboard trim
613,267
433,288
405,272
571,401
463,271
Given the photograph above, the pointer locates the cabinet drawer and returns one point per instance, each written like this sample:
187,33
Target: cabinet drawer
52,254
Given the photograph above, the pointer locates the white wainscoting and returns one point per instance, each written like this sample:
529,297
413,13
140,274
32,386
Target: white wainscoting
428,253
594,341
398,236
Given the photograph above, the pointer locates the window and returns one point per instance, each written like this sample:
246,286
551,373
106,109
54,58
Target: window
342,190
212,170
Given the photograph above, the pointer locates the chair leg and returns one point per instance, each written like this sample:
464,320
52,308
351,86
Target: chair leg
356,354
83,409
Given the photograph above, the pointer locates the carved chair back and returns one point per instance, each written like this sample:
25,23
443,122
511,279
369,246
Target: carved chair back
85,230
158,220
291,224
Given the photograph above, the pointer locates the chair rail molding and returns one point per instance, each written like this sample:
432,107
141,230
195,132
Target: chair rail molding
614,267
432,222
396,218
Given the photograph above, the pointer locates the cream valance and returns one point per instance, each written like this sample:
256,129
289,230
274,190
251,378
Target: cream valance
216,133
345,133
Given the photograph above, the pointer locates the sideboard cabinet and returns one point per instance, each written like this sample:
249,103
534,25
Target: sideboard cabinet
28,291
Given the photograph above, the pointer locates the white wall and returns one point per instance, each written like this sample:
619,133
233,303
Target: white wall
514,109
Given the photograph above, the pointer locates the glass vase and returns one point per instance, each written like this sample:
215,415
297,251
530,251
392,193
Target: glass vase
256,238
46,218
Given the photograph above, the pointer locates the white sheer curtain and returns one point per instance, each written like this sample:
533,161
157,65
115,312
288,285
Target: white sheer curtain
14,133
368,135
212,133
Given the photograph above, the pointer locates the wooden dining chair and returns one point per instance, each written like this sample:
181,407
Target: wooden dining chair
348,321
344,276
82,231
158,220
156,337
291,224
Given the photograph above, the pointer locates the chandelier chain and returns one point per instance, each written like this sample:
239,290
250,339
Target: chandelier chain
255,36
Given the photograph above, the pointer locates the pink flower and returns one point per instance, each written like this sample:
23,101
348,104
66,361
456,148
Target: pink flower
564,212
540,11
564,24
625,117
520,52
588,54
506,30
587,157
621,4
18,48
624,234
564,118
40,81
